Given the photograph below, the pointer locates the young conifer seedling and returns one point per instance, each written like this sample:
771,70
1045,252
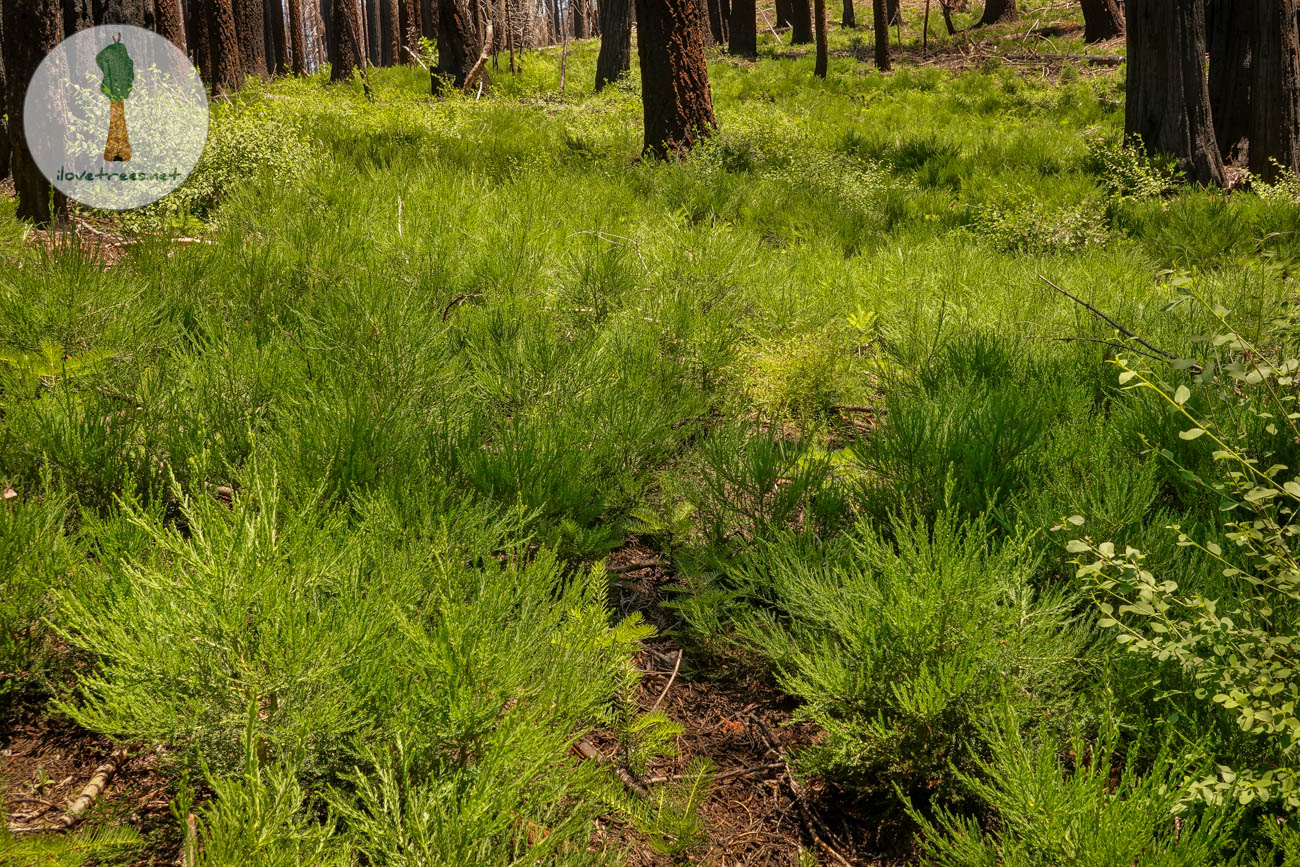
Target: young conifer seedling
119,76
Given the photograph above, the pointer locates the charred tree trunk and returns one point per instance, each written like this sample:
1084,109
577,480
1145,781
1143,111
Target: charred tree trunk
615,42
32,28
744,29
429,19
1230,28
801,23
250,19
4,128
171,24
409,23
578,9
457,48
228,64
1168,98
297,39
347,48
390,44
996,11
819,25
372,31
1102,20
279,36
675,93
716,28
880,25
848,17
784,12
200,40
895,13
1275,89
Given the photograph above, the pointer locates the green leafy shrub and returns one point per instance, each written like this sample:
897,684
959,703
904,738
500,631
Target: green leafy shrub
804,377
900,645
1128,172
1026,225
1085,807
1237,645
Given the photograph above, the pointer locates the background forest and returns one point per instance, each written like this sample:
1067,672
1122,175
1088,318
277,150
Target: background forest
900,470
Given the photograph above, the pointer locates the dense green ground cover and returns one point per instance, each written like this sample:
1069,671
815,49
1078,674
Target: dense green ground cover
446,355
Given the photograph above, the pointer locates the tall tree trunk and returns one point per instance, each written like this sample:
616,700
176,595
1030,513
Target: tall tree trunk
996,11
390,18
457,46
848,18
716,28
578,9
429,19
228,64
1230,30
250,27
297,39
819,24
200,40
1102,20
880,24
171,24
409,22
279,36
615,57
374,32
1275,89
706,31
784,12
675,95
137,12
1168,98
347,45
744,29
4,128
895,13
801,23
32,29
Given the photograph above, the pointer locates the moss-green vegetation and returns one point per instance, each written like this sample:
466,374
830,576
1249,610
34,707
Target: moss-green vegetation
319,502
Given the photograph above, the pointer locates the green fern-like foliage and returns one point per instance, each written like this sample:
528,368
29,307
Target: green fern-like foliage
92,844
49,363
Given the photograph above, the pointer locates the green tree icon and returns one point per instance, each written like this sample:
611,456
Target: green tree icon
119,77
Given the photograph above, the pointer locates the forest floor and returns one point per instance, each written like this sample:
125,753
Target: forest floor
431,480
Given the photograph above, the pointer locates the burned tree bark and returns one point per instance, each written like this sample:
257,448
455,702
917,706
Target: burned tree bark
457,48
801,22
171,24
783,13
250,22
227,64
278,41
675,95
1168,99
1102,20
744,29
819,25
1275,89
615,57
997,11
1230,29
880,23
848,17
32,28
297,39
347,48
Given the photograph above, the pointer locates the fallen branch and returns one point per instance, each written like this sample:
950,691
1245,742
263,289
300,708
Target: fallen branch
590,752
98,781
634,566
811,822
726,775
1099,59
1111,322
457,301
669,684
483,55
